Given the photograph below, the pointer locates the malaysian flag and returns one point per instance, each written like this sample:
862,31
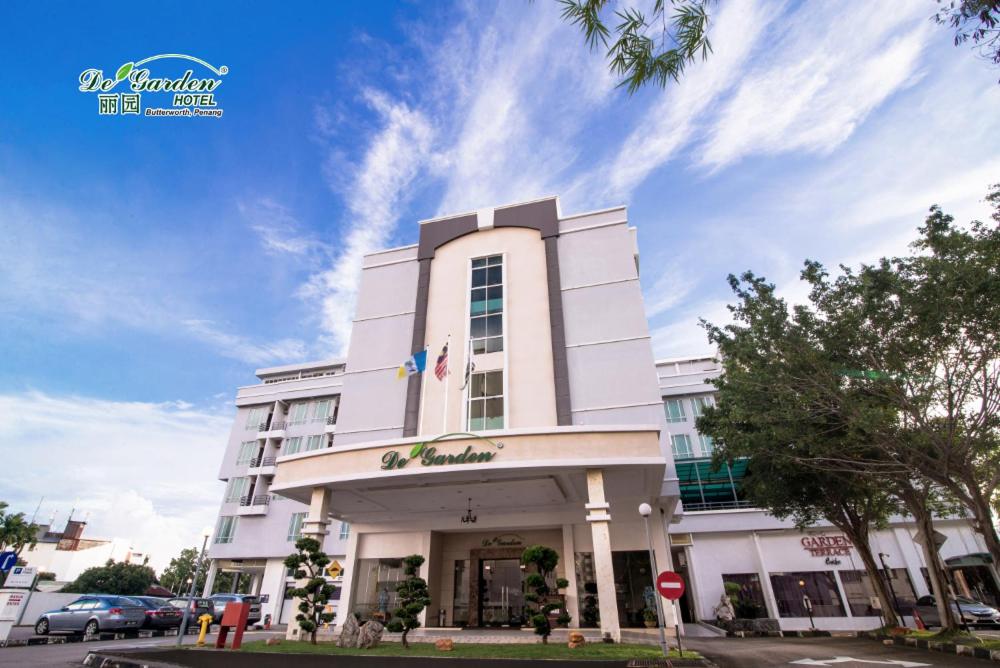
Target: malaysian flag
441,367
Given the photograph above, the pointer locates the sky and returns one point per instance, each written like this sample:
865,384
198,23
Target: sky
152,264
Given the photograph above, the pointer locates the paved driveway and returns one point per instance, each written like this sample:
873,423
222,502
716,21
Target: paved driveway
790,652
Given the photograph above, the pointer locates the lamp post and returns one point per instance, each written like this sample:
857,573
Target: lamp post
807,604
892,590
194,581
645,510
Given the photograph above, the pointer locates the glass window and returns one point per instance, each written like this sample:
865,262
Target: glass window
859,589
293,445
247,451
486,305
698,405
674,409
226,530
295,526
707,445
345,530
704,487
371,578
297,413
236,489
820,587
682,446
750,596
486,401
254,418
314,443
320,410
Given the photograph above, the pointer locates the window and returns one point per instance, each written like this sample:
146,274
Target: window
320,410
707,445
345,530
295,526
674,409
698,405
486,305
820,587
486,401
226,530
314,443
859,589
293,445
248,450
297,413
704,487
682,446
750,596
254,418
236,489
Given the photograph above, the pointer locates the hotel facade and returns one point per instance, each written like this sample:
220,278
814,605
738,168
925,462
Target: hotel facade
547,422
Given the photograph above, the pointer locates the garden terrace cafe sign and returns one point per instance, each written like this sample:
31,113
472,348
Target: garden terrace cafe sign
827,546
427,453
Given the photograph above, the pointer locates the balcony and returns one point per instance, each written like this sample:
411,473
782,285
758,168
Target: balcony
271,429
331,424
262,465
254,505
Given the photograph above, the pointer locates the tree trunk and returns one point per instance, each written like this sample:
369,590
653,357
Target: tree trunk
875,574
916,503
406,645
983,517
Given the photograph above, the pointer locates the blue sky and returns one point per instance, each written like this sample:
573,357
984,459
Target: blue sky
153,263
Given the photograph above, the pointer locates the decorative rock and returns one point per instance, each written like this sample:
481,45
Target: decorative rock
444,644
272,641
349,632
576,639
370,634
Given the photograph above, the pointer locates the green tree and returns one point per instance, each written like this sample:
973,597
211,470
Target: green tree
309,563
15,533
176,576
544,559
114,577
977,21
413,597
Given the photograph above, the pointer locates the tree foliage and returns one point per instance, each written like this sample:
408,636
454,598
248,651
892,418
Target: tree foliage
314,593
119,578
181,568
977,21
412,596
544,559
15,533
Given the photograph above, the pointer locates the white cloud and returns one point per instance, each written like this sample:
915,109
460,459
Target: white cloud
243,349
144,472
378,188
279,231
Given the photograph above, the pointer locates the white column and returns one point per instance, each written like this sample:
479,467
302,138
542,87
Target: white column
569,572
346,605
913,558
765,579
213,568
664,562
599,519
314,526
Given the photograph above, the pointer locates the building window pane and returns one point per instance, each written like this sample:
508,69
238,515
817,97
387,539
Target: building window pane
235,489
707,445
314,443
247,451
254,418
750,597
321,410
345,530
295,526
674,409
698,405
297,413
705,487
371,578
486,305
820,587
859,589
293,445
226,530
486,401
681,446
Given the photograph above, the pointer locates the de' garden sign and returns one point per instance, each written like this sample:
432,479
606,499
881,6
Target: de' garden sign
428,455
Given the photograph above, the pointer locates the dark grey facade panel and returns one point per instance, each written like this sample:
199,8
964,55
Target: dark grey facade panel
560,365
412,416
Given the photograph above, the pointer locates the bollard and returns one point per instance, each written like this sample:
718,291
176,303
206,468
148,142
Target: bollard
205,621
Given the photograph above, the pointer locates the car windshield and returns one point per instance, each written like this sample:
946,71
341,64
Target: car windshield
121,601
967,601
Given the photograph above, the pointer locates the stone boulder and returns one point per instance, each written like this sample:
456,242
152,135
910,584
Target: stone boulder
370,634
272,641
576,639
444,644
348,632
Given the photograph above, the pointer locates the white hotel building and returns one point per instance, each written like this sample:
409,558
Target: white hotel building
566,425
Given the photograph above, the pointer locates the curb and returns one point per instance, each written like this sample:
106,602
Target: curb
942,647
66,639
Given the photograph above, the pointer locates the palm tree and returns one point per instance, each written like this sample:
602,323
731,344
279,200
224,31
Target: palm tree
15,533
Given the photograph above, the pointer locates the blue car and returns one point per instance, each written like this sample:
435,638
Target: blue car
91,614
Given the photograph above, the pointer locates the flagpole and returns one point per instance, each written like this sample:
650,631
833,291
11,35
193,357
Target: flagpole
423,394
447,377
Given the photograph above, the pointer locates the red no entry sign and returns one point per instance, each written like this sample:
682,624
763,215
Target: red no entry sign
670,585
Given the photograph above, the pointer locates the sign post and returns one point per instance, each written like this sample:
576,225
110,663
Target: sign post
670,586
13,598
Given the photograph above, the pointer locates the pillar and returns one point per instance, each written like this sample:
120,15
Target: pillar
600,519
569,572
664,562
765,579
314,526
213,568
346,605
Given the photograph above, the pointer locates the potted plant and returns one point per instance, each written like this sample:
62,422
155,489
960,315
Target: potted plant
563,619
649,618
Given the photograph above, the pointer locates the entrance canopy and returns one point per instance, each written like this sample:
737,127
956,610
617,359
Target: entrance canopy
506,470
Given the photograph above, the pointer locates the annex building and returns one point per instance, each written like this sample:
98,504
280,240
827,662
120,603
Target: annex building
546,421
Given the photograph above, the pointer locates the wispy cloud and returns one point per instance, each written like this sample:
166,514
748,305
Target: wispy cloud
243,349
144,465
280,232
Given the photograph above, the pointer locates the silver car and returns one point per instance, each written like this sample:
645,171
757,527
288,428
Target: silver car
91,614
973,613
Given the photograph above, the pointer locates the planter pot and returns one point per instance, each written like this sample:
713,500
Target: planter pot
650,624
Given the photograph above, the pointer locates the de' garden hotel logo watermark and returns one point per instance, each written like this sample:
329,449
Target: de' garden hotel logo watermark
186,95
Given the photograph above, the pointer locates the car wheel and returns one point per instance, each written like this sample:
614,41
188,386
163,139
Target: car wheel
42,627
91,629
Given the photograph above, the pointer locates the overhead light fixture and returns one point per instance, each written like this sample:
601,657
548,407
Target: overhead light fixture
469,518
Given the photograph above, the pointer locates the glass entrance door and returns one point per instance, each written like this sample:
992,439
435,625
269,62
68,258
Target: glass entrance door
501,595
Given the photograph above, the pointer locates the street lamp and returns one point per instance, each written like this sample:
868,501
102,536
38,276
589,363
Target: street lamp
205,533
888,579
807,604
645,510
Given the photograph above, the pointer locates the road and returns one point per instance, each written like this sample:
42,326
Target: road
71,654
761,652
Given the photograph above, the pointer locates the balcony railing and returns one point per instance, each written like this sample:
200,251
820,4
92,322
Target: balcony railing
717,505
331,419
262,461
255,500
276,425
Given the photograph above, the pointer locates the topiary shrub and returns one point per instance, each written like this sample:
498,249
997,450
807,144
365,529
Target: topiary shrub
412,595
545,560
591,614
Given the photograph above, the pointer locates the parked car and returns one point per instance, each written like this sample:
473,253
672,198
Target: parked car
968,610
199,606
91,614
160,615
219,602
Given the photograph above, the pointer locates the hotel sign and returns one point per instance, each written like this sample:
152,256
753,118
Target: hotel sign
428,455
827,546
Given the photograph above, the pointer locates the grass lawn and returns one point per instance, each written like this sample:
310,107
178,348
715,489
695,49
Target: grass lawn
476,650
959,638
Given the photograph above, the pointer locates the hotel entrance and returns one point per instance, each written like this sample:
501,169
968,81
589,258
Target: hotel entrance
501,592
